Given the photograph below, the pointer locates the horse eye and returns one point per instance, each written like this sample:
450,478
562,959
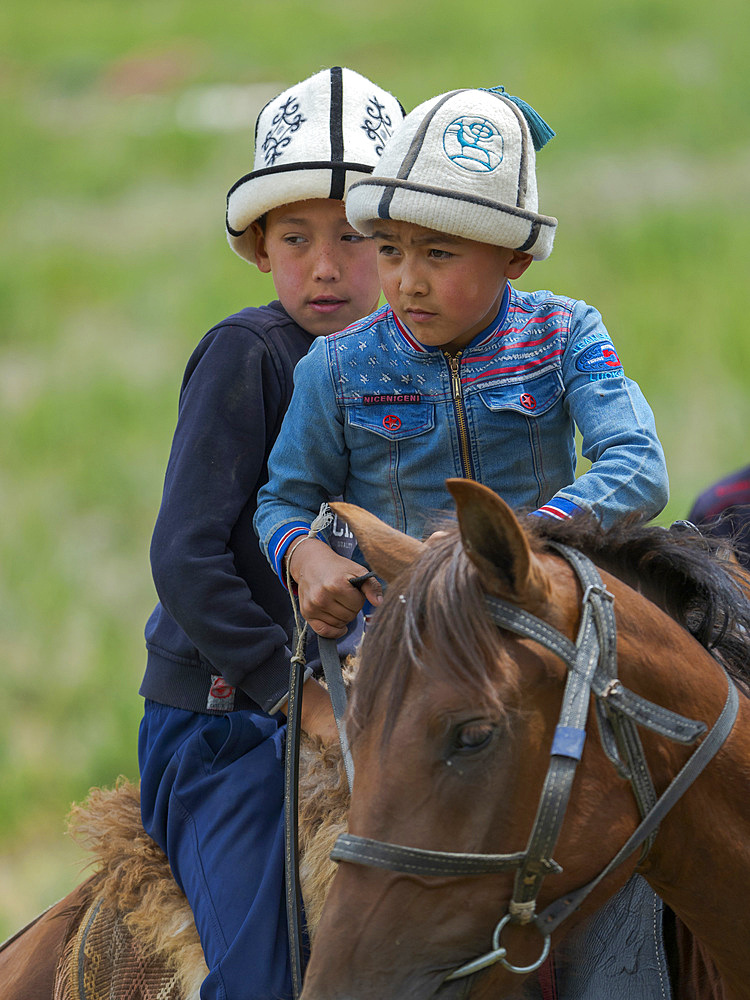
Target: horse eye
473,737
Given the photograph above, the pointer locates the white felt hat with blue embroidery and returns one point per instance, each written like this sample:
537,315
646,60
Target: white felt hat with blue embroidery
312,141
462,163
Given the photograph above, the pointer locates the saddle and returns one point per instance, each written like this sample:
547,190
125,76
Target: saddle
135,938
104,961
132,936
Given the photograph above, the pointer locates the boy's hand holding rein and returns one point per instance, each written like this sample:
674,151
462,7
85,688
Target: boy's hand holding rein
328,601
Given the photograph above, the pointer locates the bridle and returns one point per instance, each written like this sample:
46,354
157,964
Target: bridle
592,668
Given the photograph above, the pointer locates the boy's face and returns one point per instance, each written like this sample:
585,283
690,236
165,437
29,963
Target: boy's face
325,273
444,288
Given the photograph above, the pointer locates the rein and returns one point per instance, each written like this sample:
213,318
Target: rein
331,664
592,668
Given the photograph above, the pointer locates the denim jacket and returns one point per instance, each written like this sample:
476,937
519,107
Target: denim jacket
383,420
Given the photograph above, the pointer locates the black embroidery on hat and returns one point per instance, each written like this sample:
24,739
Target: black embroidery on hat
283,126
379,126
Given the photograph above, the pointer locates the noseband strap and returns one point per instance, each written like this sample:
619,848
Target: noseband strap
415,861
592,668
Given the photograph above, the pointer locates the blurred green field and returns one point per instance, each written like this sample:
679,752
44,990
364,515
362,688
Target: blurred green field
123,126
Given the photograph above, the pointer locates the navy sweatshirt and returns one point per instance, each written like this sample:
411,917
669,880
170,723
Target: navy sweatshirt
223,621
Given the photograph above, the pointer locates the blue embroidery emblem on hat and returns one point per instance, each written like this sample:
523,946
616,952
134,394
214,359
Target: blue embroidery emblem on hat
474,143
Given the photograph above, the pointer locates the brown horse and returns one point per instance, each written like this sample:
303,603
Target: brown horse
452,722
127,932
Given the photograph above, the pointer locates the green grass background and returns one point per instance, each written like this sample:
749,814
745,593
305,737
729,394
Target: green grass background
118,143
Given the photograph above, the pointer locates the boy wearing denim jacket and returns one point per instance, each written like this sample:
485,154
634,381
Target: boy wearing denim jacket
460,374
463,375
217,675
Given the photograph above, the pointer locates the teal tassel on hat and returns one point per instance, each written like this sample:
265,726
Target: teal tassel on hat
540,131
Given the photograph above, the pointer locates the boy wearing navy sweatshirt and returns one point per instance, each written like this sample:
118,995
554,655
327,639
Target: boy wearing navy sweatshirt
211,739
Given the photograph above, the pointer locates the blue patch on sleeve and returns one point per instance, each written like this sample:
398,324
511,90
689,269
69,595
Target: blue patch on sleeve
600,357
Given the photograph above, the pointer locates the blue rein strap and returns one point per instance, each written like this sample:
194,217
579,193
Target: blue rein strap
329,657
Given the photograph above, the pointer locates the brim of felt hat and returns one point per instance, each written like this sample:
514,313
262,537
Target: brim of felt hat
472,217
260,191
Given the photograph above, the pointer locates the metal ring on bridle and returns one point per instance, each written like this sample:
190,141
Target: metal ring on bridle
520,969
498,954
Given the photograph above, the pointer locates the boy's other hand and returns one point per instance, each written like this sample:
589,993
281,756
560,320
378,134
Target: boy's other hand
327,599
435,537
317,718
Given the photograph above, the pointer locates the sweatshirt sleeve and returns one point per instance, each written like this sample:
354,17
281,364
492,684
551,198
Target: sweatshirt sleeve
231,391
309,461
628,471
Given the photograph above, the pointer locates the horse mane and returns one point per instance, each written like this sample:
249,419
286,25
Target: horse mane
693,578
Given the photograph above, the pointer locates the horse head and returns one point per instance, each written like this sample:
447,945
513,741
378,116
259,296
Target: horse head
451,722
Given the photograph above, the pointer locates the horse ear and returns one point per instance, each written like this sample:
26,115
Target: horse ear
497,545
387,550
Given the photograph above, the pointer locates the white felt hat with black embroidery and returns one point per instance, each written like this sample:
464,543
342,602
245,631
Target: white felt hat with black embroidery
462,163
312,141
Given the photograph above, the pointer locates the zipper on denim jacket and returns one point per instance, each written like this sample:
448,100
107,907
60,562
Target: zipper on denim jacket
464,450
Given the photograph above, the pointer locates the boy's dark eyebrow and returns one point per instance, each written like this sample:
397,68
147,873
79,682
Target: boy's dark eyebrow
288,220
291,220
437,238
433,237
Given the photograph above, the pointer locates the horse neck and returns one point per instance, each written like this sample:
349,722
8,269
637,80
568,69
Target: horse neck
700,862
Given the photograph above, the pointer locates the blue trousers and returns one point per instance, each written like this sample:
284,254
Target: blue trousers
212,796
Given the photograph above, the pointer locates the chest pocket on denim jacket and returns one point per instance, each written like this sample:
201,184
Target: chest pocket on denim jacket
532,397
393,422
